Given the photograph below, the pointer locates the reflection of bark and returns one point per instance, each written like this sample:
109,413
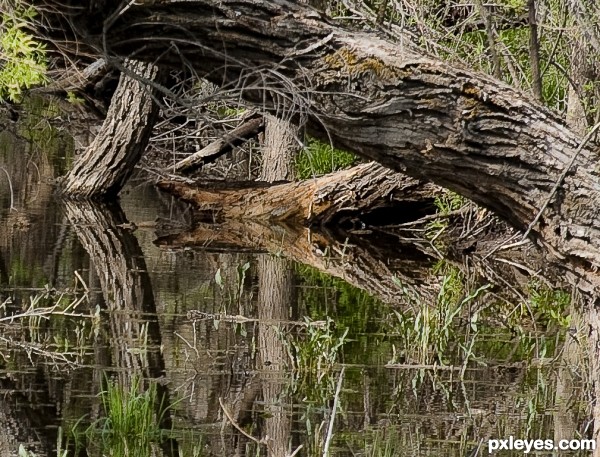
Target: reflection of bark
564,420
275,299
21,424
350,262
593,318
121,269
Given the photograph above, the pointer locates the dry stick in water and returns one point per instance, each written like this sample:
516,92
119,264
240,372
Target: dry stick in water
12,197
332,420
236,426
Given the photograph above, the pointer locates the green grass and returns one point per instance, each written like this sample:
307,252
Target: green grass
130,426
445,202
318,158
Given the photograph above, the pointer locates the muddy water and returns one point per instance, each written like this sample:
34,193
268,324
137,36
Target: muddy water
258,340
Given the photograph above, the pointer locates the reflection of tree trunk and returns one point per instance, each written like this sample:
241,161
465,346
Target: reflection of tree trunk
275,299
107,163
348,261
121,268
21,424
593,318
564,420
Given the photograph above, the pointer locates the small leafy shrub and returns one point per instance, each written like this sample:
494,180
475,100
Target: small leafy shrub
22,57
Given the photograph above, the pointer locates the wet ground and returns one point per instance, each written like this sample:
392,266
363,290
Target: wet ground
246,340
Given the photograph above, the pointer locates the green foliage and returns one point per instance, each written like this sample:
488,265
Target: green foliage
22,57
314,354
445,202
74,99
548,305
319,158
426,335
130,425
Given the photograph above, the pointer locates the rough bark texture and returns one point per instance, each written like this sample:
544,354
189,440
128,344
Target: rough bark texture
279,148
363,188
102,170
392,103
276,288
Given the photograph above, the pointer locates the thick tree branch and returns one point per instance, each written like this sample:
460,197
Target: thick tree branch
321,201
389,102
238,136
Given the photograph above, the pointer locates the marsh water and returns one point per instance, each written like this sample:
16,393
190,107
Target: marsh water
133,329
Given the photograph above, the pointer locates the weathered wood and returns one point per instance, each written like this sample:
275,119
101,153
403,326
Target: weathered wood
279,147
389,102
104,167
315,201
238,136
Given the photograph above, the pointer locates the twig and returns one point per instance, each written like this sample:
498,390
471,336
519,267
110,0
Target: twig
534,52
506,244
85,287
296,451
332,420
491,37
237,427
12,197
561,179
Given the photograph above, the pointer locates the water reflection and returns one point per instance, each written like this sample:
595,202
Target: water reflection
239,331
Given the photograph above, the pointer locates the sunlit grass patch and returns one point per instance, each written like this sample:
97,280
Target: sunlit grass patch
318,158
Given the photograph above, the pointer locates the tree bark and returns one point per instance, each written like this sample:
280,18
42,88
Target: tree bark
320,201
392,103
103,169
279,148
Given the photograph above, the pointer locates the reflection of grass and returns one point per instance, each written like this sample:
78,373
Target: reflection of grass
314,354
433,333
386,443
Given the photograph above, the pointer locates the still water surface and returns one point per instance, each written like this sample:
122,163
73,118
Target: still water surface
242,339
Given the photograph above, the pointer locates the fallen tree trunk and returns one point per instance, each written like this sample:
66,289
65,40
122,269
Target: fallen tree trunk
322,201
389,102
